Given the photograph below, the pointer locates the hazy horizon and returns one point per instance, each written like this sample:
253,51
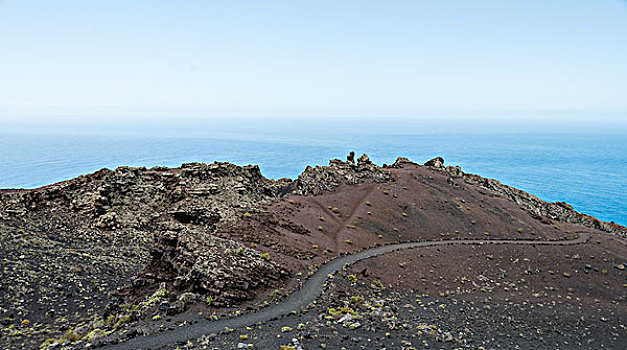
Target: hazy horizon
281,128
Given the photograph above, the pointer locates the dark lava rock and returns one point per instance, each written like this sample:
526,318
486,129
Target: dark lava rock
327,178
363,160
437,162
351,157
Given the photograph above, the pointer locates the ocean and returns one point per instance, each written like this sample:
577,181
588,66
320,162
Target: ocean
589,171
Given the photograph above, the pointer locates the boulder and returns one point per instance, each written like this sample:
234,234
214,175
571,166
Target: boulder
363,160
400,162
437,162
351,157
107,221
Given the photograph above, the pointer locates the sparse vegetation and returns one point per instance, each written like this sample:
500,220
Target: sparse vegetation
155,297
377,284
122,321
357,299
338,312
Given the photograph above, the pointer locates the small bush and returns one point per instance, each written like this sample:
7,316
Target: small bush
377,284
341,311
121,321
109,321
356,299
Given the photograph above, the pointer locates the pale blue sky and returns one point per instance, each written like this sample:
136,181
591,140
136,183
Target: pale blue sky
210,59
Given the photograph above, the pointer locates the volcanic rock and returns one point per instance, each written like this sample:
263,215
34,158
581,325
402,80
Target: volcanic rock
437,162
363,160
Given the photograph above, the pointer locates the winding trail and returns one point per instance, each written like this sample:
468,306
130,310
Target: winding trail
309,292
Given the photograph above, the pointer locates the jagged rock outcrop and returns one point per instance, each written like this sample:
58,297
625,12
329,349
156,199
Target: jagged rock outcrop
437,162
400,162
113,198
351,157
327,178
98,232
364,160
195,260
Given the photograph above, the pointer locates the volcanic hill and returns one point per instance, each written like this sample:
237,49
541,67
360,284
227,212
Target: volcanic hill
188,257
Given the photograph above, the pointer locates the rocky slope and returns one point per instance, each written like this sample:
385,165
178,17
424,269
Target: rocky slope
114,253
559,211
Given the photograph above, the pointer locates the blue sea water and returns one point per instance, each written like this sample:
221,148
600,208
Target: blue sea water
588,171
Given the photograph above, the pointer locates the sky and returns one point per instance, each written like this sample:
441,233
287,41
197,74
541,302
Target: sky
120,60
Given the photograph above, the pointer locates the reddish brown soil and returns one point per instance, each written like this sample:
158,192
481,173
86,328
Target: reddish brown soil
419,205
578,274
545,297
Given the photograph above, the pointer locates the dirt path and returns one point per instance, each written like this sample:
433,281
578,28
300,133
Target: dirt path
325,210
343,221
309,292
352,213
